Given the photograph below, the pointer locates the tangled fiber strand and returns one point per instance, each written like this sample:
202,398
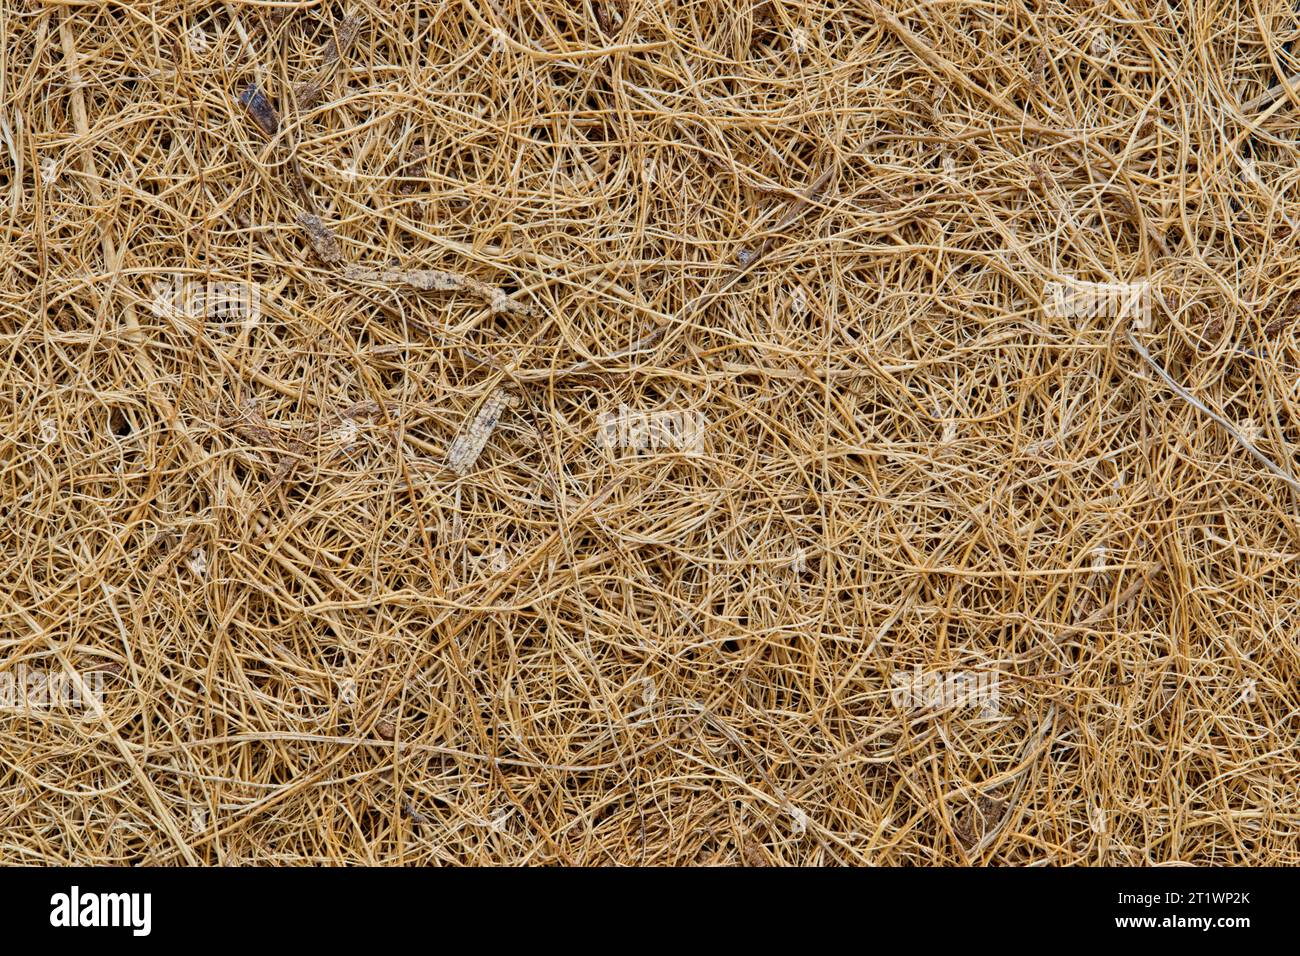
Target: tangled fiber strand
362,575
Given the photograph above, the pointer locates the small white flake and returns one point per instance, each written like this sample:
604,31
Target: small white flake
197,40
799,39
198,819
1102,43
499,561
648,691
49,431
799,562
49,170
500,818
798,300
199,562
1250,430
345,434
1099,559
1248,692
498,40
799,821
1098,820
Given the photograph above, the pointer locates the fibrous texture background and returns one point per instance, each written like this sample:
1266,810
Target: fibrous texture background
635,432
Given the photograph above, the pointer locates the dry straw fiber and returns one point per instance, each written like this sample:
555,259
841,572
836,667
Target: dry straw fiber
346,355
